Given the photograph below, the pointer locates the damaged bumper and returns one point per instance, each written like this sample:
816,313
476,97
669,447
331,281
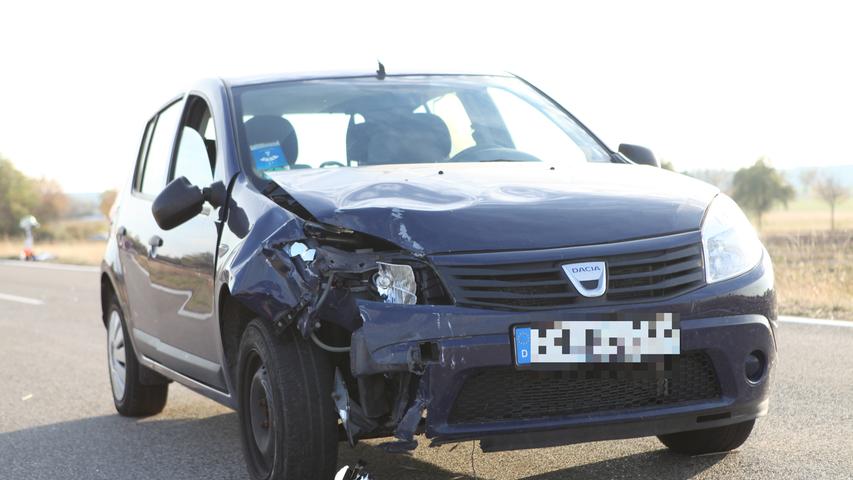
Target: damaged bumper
470,388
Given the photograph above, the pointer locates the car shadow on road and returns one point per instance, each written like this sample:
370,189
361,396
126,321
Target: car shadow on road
655,465
109,447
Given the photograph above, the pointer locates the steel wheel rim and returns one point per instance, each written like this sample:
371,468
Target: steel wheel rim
117,358
261,419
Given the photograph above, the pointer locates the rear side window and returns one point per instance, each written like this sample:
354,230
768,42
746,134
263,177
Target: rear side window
156,167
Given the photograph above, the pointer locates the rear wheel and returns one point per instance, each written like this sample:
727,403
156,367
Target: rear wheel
710,440
288,426
131,397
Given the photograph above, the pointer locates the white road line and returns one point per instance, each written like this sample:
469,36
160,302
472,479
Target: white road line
49,266
15,298
816,321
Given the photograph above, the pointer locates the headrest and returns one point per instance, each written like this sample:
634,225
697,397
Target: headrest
416,138
271,128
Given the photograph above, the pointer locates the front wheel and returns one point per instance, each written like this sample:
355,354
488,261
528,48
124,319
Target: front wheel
288,426
710,440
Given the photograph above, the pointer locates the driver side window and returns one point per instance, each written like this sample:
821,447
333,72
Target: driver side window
193,161
196,155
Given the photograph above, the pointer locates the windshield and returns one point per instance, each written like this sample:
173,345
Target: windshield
358,122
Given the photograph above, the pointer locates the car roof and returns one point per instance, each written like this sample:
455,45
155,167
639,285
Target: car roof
316,75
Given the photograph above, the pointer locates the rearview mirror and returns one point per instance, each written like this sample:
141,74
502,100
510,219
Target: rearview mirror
638,154
181,201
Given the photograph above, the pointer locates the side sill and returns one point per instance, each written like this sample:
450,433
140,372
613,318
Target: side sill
218,396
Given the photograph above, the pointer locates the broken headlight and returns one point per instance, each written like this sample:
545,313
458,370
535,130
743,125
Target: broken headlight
396,283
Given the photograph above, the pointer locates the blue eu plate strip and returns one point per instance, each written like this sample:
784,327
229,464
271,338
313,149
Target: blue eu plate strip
522,346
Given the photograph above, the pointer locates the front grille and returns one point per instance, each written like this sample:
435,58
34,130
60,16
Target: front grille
508,394
541,284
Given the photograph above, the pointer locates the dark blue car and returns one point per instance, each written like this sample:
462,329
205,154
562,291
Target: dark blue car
357,255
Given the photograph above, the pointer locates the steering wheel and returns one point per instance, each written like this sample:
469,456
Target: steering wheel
485,153
331,163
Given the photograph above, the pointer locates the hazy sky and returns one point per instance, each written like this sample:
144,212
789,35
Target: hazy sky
705,87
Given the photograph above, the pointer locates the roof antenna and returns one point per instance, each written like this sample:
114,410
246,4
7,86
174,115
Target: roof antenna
380,72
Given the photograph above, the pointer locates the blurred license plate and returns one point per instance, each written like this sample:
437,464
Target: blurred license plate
646,338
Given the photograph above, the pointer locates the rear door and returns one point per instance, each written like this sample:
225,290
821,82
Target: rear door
182,272
136,227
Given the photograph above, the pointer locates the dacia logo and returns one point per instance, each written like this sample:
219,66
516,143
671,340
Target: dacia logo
587,268
588,278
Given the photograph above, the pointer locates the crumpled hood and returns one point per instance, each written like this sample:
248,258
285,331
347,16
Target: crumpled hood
438,208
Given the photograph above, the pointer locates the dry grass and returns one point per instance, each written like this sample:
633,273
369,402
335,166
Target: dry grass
807,215
78,252
814,273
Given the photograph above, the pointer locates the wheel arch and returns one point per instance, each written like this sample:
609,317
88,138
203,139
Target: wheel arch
234,317
108,292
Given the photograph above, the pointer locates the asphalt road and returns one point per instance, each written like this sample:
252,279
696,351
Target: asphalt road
57,419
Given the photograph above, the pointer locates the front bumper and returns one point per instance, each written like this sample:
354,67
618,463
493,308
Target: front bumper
726,321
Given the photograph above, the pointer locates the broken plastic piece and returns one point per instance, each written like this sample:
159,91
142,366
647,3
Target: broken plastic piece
351,415
357,472
299,249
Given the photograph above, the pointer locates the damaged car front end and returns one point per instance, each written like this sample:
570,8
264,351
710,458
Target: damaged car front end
423,337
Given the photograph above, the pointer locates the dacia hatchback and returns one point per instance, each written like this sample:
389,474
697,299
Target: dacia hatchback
357,255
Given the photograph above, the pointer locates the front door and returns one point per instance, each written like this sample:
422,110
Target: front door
182,271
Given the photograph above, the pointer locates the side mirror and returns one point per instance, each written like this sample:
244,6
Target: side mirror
181,201
638,154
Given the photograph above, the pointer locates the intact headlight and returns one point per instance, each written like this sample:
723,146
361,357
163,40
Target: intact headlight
396,283
731,246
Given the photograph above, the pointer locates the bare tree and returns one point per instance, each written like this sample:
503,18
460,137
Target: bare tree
807,179
833,192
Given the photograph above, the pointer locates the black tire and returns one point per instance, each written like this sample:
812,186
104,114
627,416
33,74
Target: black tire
710,440
288,425
133,398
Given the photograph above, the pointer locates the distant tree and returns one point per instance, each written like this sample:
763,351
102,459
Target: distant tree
667,165
721,179
53,203
18,197
107,200
807,180
833,192
759,188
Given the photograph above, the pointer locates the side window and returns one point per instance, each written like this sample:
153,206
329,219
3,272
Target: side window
451,110
143,153
192,160
160,150
196,154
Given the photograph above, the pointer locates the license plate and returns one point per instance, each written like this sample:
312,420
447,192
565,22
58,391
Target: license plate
629,339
